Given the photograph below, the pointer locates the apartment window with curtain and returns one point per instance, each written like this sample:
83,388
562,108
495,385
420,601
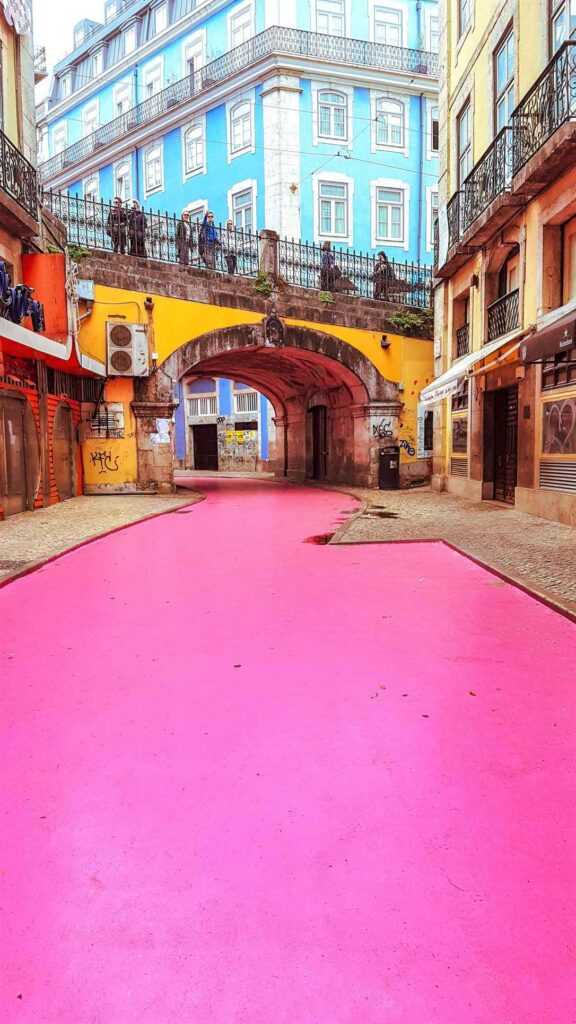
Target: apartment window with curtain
464,142
193,54
389,215
152,79
153,168
241,127
464,15
390,126
504,61
92,189
331,17
562,22
388,27
433,33
241,25
90,119
433,129
194,148
243,209
332,115
333,209
123,180
122,98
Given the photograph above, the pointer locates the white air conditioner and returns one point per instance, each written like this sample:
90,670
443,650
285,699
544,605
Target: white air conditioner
127,350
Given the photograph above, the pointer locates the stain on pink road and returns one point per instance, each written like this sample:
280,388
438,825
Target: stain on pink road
250,780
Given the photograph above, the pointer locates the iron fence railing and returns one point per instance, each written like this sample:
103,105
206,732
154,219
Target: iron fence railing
463,340
305,265
546,106
297,42
18,177
489,178
503,315
454,215
158,236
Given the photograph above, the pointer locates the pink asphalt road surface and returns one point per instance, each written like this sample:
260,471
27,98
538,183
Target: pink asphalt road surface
252,780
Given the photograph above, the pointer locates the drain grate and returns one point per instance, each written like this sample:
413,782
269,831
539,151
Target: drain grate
7,565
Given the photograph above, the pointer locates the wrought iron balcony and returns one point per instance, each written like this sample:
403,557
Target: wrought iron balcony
550,103
489,178
40,66
463,340
18,177
273,41
436,241
503,315
454,214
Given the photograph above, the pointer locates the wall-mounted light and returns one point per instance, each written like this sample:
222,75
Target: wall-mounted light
384,343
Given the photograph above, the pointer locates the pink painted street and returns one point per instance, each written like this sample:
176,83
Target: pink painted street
250,778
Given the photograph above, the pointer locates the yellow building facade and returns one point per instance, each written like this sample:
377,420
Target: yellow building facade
504,394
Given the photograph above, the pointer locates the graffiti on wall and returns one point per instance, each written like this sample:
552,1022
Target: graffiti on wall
104,460
383,429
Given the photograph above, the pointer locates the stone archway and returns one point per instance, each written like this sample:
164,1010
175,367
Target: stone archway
307,368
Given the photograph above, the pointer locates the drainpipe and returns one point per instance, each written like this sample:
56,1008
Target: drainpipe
422,196
136,151
420,25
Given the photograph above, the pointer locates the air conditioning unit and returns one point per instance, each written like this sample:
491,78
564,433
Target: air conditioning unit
127,350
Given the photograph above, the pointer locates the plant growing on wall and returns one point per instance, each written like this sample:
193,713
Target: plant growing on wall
263,284
421,324
326,297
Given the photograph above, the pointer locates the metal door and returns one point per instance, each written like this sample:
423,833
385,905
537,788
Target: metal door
205,446
63,449
506,444
13,488
389,469
319,442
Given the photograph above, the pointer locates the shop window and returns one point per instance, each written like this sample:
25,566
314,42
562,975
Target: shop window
560,370
460,399
429,430
460,435
559,427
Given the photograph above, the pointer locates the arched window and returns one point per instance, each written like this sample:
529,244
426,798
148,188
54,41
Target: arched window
241,126
194,148
153,168
390,126
332,115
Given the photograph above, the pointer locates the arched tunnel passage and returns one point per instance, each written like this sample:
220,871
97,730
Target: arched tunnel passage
325,395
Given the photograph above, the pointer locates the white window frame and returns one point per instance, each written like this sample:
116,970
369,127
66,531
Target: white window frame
43,143
431,190
404,101
150,72
59,132
431,15
123,88
155,10
197,206
91,108
129,32
250,184
346,10
230,108
199,122
431,105
235,14
394,5
195,41
238,394
211,399
333,178
98,62
65,86
92,179
125,161
397,186
320,87
150,190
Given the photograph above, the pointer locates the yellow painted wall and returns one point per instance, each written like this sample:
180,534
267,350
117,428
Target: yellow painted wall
111,463
8,40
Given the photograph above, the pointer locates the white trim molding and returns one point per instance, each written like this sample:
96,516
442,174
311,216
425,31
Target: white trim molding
240,8
430,12
246,97
128,159
280,12
195,39
146,69
347,17
91,179
393,5
337,178
125,85
397,186
344,90
250,184
430,191
199,121
197,204
159,145
403,101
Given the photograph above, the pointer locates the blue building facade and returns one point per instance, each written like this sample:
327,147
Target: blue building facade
314,118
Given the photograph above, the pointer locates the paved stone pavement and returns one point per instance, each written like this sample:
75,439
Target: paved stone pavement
31,538
536,553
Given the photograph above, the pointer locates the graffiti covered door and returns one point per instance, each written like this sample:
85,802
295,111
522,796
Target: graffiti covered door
319,442
64,452
13,490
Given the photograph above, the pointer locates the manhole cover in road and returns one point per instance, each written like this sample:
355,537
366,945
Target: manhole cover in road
6,564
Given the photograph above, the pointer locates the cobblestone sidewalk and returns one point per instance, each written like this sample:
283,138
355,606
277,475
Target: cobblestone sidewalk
535,553
31,538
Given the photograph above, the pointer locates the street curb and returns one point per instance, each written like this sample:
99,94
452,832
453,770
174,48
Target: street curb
35,566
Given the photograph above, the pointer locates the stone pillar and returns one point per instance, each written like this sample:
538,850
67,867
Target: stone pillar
269,263
153,408
296,439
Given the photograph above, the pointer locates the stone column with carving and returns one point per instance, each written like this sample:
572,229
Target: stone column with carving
269,263
153,408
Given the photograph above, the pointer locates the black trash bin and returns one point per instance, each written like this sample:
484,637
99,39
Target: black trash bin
389,469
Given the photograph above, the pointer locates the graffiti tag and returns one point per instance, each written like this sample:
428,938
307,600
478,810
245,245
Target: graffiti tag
408,447
383,429
106,462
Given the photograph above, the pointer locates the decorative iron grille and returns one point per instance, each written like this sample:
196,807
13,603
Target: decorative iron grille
503,315
90,224
362,274
454,215
463,340
489,178
18,177
355,52
548,104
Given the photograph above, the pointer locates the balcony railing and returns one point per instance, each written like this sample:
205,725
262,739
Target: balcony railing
546,106
18,177
463,340
503,315
454,215
489,178
275,40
